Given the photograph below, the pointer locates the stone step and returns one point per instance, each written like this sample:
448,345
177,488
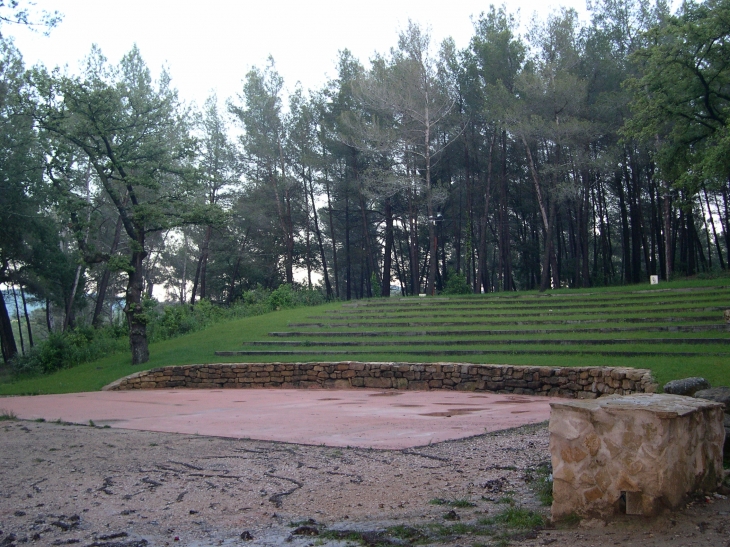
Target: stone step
514,332
501,341
673,296
476,352
343,314
715,291
487,305
385,324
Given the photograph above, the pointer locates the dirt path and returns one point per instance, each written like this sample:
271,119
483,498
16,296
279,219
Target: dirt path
64,484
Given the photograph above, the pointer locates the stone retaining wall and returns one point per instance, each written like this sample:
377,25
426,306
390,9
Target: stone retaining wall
573,382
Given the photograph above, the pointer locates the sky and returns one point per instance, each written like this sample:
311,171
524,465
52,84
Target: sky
210,46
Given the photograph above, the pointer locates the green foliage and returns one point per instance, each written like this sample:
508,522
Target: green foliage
281,298
375,284
680,103
179,319
456,284
69,349
84,344
285,297
460,503
541,481
517,517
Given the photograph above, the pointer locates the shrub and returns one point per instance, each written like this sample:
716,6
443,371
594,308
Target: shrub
68,349
281,298
164,321
456,284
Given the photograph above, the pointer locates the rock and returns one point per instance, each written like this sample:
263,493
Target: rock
718,394
246,536
686,386
726,315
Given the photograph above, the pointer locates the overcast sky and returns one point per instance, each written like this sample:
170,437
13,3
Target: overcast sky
209,46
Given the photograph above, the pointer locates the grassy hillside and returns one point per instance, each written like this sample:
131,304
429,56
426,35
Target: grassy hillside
676,329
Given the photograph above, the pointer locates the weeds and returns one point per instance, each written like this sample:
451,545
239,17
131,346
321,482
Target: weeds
7,415
516,517
459,503
540,480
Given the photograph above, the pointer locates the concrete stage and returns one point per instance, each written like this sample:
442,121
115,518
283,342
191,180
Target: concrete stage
354,417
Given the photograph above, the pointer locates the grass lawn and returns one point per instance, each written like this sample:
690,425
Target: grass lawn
680,301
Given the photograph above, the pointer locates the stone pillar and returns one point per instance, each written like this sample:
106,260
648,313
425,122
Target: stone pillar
633,454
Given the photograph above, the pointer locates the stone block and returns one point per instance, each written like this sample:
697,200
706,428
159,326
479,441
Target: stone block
400,383
634,454
378,383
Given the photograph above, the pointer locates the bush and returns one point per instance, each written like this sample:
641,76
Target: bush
456,284
164,321
281,298
68,349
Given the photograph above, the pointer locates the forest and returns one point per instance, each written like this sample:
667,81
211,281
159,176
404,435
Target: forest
569,155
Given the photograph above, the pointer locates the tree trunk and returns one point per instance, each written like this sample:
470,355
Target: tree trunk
714,231
68,320
332,236
388,251
433,255
27,317
413,243
482,253
625,233
348,263
7,339
547,220
202,266
308,233
17,318
505,252
318,233
49,319
104,282
369,254
668,247
136,319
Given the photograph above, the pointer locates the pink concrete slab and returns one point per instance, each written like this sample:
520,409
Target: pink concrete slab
355,417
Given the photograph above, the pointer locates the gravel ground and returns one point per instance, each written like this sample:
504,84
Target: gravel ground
64,484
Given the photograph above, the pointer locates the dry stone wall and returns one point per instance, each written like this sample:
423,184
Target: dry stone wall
573,382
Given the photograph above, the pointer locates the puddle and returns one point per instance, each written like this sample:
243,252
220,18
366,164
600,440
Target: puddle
453,412
450,404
